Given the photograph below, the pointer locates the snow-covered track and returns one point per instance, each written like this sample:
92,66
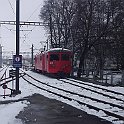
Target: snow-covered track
9,79
4,70
95,86
5,81
106,107
95,89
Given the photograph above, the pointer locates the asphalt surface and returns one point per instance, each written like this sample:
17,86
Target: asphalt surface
42,110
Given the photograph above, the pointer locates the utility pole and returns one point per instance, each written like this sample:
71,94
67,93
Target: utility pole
47,44
32,58
17,44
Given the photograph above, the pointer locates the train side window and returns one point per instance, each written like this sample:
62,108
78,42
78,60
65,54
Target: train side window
65,57
54,57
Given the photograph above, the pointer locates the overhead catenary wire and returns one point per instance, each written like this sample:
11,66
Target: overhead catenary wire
4,25
27,19
11,7
31,16
27,34
13,13
11,30
34,11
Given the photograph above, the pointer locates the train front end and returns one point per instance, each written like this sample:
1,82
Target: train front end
60,62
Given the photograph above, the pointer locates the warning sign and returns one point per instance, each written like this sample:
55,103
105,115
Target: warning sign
17,61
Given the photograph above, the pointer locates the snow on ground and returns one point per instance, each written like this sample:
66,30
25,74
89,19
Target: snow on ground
8,112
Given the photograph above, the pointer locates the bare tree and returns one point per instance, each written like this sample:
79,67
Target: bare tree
58,14
91,28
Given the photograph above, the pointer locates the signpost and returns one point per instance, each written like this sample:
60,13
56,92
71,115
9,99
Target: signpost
17,58
17,61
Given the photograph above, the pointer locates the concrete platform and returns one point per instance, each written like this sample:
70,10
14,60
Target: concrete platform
48,111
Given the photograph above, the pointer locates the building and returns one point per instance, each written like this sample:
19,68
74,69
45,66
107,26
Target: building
0,56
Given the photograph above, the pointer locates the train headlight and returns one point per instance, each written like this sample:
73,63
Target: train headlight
52,64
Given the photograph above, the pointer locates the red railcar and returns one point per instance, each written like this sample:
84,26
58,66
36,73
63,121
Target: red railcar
57,61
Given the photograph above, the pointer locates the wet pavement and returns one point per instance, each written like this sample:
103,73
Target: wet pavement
42,110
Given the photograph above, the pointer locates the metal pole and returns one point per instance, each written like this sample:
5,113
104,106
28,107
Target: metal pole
17,44
32,51
47,44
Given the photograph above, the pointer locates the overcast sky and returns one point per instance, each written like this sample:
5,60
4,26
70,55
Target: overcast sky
29,11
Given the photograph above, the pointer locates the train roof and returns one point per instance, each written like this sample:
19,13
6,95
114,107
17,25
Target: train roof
59,50
54,50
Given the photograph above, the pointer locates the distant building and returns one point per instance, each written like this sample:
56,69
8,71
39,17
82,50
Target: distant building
0,56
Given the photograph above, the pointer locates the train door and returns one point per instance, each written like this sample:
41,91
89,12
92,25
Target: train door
43,62
35,62
47,59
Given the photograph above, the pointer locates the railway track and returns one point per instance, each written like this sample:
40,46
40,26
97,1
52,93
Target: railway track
110,104
95,86
4,80
3,71
96,89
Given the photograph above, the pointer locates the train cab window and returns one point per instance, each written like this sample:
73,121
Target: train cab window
54,57
65,57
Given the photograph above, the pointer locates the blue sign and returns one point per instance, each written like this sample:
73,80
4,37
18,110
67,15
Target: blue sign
17,61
